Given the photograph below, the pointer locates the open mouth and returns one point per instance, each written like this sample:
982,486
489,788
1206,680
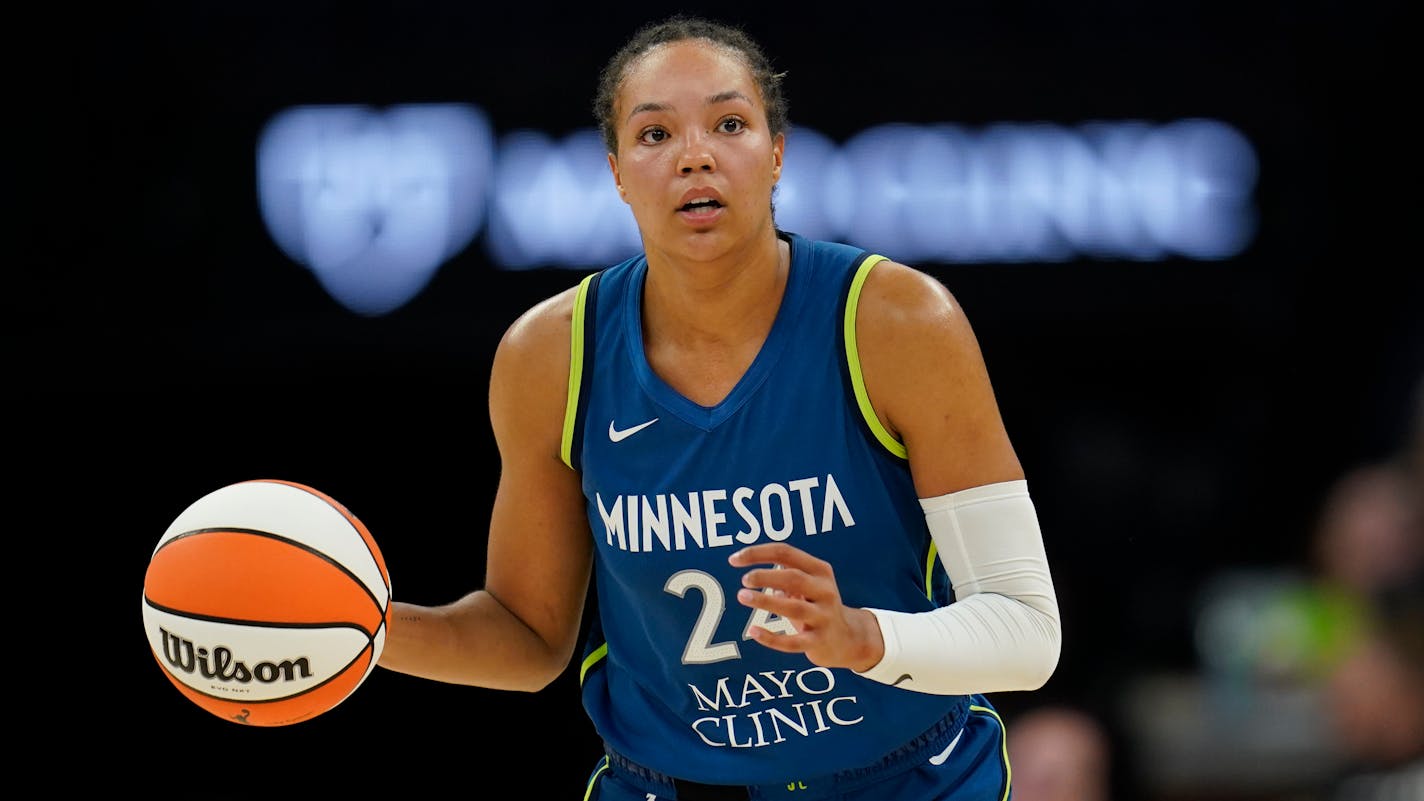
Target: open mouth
705,204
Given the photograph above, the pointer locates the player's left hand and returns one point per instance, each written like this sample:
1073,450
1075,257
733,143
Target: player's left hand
827,631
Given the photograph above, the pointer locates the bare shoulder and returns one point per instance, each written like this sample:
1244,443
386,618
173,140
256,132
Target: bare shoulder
542,327
928,383
529,376
912,312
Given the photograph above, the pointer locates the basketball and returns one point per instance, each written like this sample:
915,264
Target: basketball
266,602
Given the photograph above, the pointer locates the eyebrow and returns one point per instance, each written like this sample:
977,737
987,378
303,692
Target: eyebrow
712,100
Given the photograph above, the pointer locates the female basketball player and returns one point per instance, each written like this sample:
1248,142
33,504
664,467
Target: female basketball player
774,458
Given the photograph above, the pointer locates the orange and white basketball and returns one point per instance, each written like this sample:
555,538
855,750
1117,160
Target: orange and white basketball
266,602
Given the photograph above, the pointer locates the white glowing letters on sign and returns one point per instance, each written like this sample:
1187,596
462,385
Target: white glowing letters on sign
1026,192
375,201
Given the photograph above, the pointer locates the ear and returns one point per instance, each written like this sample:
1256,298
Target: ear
778,152
617,182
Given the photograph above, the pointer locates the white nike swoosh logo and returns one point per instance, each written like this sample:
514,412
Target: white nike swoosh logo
938,759
618,436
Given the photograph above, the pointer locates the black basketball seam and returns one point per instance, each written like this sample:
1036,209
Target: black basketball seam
288,540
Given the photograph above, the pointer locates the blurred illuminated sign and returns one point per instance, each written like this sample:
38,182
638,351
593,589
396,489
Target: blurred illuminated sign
374,201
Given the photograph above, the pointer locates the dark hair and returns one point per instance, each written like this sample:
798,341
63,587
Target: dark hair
677,28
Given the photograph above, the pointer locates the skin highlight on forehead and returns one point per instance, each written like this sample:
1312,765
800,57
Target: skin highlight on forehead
661,53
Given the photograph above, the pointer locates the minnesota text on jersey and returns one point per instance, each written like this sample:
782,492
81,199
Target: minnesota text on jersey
670,521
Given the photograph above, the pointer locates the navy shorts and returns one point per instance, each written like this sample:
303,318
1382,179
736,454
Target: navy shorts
968,762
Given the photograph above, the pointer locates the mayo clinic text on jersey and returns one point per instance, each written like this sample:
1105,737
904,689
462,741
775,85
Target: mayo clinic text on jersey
750,717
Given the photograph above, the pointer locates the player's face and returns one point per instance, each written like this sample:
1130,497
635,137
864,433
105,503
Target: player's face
696,161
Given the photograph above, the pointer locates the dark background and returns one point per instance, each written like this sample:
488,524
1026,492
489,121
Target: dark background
1173,417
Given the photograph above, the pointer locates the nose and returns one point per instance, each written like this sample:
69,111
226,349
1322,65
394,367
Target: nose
696,155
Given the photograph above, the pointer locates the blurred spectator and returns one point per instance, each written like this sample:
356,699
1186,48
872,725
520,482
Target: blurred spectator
1375,703
1059,753
1368,538
1366,548
1291,625
1371,543
1312,682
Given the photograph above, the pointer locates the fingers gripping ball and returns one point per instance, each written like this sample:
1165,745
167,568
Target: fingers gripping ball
266,602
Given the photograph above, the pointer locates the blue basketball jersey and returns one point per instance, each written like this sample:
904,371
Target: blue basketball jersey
793,453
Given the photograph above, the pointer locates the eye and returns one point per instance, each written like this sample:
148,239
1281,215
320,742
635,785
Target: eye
652,136
730,125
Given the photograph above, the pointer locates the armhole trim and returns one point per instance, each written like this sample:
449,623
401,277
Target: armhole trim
931,559
852,352
579,335
591,661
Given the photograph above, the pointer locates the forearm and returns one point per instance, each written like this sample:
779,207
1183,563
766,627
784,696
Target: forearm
1003,630
983,643
475,640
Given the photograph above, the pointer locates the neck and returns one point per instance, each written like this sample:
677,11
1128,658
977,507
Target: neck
730,299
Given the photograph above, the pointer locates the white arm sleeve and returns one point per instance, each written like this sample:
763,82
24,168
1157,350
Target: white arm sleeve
1002,632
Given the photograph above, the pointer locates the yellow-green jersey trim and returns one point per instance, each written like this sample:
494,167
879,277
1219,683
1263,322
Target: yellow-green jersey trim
592,659
576,345
930,569
857,379
593,780
1003,748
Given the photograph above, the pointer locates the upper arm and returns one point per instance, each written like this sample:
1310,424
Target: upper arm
928,382
540,551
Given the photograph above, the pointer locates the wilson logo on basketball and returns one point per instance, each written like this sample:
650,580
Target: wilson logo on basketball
220,664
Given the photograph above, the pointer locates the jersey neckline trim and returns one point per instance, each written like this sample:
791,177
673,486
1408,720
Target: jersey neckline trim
693,413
